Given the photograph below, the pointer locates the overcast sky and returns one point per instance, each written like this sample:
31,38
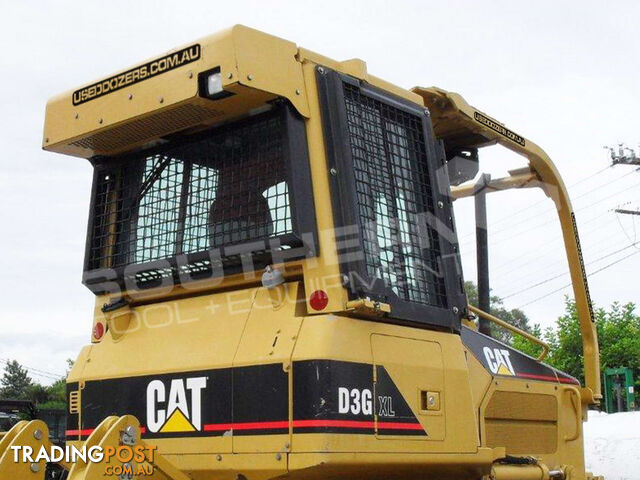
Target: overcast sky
563,74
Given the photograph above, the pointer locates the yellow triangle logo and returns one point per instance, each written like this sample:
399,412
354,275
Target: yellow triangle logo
177,422
503,370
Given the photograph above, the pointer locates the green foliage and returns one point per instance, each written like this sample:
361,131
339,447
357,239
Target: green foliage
16,384
525,346
15,381
58,391
515,317
618,335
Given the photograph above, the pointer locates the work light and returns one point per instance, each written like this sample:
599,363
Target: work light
211,85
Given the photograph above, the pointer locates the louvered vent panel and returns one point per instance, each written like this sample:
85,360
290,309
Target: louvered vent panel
153,126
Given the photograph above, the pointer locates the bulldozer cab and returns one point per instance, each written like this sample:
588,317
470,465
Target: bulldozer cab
273,251
237,197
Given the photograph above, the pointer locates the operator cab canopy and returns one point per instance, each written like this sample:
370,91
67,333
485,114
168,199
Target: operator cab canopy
225,152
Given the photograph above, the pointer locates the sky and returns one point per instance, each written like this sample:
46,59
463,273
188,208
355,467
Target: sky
561,73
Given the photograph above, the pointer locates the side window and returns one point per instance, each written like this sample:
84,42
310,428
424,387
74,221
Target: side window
388,199
392,183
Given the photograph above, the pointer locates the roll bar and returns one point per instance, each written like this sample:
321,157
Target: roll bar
461,126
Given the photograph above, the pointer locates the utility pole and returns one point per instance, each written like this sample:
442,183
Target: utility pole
482,251
623,155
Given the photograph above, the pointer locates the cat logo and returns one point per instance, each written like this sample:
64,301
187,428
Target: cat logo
498,361
175,406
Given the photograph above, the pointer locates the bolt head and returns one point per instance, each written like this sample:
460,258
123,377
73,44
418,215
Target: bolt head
298,91
440,204
321,70
161,100
278,456
249,77
333,171
219,457
37,434
34,467
456,310
427,112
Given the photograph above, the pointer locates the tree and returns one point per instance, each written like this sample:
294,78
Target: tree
15,381
525,346
515,317
618,334
37,393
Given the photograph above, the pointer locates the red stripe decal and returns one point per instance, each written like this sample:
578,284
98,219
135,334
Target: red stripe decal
399,426
215,427
333,423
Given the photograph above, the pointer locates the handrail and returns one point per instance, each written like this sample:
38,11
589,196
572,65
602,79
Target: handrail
457,122
514,329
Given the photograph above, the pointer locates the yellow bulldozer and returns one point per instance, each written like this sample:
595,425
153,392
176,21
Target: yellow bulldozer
278,286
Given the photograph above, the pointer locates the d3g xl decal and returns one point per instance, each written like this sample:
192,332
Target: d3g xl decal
341,397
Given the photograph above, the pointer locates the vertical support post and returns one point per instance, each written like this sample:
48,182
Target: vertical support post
482,251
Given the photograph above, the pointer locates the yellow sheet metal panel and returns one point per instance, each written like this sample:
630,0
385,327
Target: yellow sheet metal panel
324,272
341,338
160,96
415,366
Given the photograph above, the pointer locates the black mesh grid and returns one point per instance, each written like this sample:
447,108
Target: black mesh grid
225,188
393,194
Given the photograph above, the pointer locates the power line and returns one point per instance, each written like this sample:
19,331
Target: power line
570,284
537,226
538,252
633,245
38,372
544,200
535,250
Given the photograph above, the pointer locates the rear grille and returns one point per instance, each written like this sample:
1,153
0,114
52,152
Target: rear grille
153,126
524,423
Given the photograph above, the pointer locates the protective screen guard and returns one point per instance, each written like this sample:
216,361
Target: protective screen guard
232,198
460,125
392,208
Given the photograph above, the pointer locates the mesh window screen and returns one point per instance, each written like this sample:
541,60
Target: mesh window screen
225,188
393,194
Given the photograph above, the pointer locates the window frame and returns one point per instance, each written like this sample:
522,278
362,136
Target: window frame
340,168
303,219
